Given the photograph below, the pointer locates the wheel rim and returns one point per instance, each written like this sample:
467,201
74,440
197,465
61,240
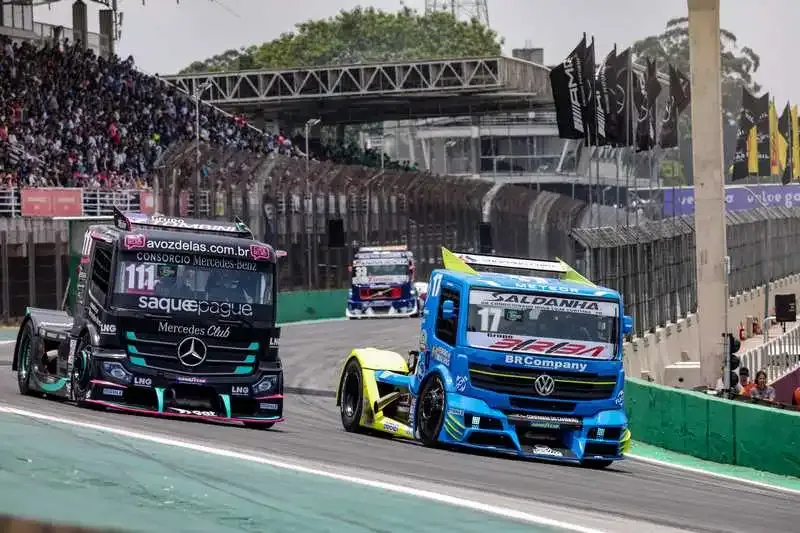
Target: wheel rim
351,390
431,407
24,359
80,372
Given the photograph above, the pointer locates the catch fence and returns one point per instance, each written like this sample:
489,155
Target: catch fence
653,264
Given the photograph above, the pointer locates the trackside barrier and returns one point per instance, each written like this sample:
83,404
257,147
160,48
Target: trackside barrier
714,429
311,305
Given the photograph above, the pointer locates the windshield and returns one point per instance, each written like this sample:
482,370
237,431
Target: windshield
194,277
379,268
542,324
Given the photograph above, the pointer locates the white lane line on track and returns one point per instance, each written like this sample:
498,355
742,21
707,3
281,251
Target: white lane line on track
718,475
503,512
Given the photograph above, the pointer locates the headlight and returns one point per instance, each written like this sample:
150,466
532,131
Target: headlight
266,385
116,370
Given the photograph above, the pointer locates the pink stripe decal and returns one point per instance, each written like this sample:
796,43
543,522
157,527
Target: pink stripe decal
180,415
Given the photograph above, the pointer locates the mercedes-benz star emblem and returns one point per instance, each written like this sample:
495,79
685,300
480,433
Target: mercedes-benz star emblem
544,385
191,351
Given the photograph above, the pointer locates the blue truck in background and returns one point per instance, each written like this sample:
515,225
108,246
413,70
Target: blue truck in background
383,283
522,357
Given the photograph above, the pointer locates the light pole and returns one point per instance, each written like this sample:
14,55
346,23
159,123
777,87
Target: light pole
767,268
310,123
198,90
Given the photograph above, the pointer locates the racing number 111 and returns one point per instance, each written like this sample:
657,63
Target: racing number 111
141,277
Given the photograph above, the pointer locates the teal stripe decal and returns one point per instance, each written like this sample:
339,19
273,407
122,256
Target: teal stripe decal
160,399
226,401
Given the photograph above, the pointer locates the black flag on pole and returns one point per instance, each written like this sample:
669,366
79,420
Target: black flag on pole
589,98
678,100
607,113
622,100
747,120
566,81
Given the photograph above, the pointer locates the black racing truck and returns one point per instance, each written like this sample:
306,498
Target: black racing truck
166,316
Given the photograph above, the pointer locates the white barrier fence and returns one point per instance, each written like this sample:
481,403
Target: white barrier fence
777,357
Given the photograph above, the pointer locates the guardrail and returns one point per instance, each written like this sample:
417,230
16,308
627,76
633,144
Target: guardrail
68,201
653,264
777,357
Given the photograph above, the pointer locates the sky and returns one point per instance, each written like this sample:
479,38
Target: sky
167,35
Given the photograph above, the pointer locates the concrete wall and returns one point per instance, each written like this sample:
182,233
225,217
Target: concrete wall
655,351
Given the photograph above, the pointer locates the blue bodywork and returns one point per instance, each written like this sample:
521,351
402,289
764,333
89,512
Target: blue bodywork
581,420
389,296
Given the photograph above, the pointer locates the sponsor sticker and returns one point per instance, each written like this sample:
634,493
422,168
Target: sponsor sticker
108,329
190,379
133,242
221,332
441,354
140,381
550,364
390,426
455,412
532,301
541,449
240,390
195,307
461,383
112,392
191,412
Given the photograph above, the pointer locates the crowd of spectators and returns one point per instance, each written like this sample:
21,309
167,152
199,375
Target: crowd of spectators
71,118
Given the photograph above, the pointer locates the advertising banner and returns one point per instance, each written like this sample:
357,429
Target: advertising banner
680,200
51,202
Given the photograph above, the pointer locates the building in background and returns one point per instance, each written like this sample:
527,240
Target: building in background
17,21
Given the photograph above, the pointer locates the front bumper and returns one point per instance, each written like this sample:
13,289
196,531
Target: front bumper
254,399
403,308
470,422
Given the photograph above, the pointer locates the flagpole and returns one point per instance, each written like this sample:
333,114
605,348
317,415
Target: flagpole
597,109
629,137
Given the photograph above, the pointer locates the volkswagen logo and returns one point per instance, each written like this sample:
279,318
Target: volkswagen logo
544,385
191,351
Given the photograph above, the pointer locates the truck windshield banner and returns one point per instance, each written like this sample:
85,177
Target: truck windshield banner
557,326
380,271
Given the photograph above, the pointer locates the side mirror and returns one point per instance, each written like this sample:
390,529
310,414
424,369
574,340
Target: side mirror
448,309
627,324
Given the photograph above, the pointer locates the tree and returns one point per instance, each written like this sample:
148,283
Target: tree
363,36
739,65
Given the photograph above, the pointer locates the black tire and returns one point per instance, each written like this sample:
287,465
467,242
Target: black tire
351,396
82,370
597,464
431,406
24,359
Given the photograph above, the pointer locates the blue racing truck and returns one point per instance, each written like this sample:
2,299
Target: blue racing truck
527,364
383,283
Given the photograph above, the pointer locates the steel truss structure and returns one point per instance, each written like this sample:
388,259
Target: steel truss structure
430,78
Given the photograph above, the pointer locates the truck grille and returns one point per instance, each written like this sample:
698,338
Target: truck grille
389,293
160,351
520,382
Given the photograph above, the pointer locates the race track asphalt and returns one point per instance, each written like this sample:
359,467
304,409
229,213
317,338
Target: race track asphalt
655,498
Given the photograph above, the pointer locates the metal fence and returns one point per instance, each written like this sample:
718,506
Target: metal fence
292,202
653,265
777,357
